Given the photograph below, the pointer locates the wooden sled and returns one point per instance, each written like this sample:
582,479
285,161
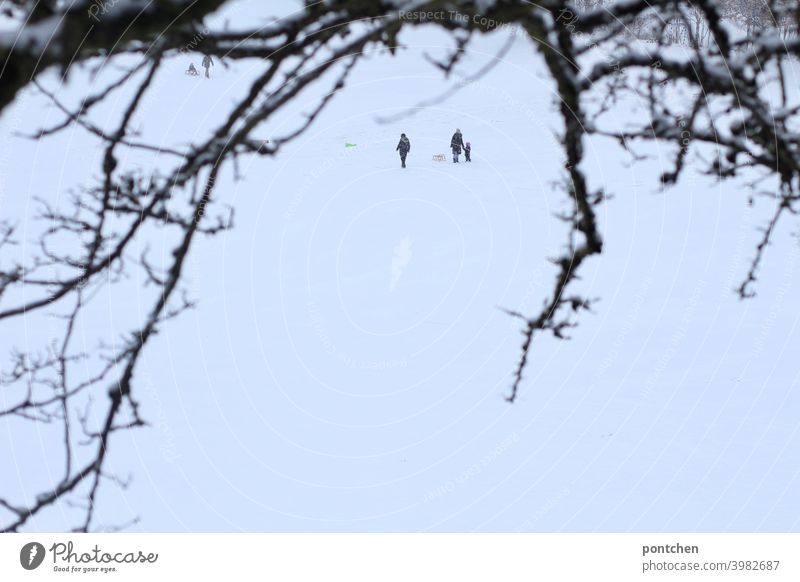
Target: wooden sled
438,157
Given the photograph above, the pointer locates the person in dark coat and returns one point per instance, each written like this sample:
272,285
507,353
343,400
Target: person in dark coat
456,143
207,62
403,146
467,151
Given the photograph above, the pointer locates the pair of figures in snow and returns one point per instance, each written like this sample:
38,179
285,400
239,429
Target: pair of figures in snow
207,63
456,143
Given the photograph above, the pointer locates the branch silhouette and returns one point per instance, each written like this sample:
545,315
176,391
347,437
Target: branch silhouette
591,54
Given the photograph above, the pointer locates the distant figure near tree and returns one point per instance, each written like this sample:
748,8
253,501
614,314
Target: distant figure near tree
207,62
456,143
403,146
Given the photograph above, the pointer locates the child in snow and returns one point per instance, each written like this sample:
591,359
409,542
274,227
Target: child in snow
191,70
456,143
207,62
467,150
403,146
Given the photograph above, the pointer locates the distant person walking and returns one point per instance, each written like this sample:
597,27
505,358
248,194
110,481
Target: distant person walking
467,151
456,143
207,63
403,146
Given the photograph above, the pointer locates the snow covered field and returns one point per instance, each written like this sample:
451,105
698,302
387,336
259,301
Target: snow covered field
346,366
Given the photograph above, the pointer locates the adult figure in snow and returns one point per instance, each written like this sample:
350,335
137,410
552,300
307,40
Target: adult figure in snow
207,62
403,146
456,143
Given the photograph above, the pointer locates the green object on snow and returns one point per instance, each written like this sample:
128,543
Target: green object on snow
349,145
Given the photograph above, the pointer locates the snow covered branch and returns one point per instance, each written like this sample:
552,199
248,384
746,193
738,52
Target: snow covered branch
738,105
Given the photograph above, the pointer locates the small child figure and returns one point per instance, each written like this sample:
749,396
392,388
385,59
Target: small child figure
191,70
467,151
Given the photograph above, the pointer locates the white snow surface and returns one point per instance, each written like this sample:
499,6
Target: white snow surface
347,364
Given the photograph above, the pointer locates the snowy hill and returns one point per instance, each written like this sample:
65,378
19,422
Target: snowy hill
347,364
